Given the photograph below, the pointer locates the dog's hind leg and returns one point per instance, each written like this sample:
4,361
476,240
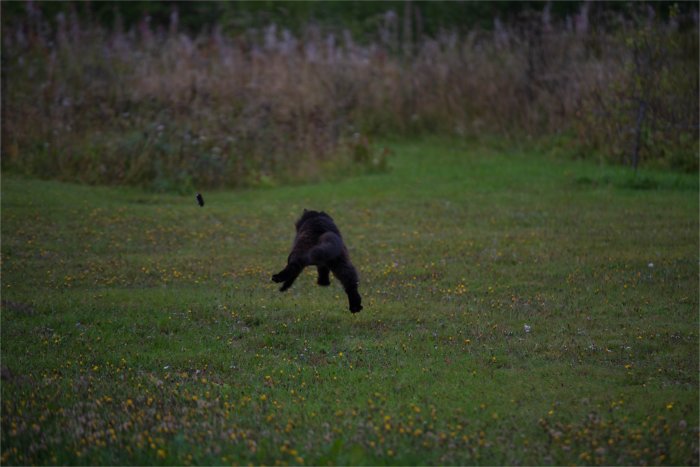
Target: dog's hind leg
347,275
323,276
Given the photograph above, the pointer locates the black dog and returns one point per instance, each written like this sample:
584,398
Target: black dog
318,243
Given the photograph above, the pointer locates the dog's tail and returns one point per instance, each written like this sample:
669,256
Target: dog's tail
329,247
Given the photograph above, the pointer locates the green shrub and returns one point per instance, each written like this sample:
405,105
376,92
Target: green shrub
646,109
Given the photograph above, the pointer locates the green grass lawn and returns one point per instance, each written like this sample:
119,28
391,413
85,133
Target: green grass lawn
141,328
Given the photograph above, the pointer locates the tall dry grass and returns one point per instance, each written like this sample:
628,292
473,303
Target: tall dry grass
161,108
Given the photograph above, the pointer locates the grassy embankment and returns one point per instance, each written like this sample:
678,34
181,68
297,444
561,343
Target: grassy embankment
140,328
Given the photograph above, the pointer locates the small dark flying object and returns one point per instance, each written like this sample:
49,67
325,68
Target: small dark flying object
200,200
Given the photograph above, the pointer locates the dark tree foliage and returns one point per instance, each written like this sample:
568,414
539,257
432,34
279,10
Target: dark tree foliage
359,17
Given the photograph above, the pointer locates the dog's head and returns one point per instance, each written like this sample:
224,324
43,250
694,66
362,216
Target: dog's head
309,214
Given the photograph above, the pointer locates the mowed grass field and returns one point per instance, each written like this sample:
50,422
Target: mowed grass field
519,309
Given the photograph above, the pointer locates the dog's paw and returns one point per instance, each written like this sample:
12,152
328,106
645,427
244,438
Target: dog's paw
278,277
355,308
285,286
323,282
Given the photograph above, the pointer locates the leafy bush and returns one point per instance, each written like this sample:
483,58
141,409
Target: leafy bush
646,109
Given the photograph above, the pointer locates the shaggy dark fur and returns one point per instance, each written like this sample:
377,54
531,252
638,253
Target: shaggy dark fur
318,243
